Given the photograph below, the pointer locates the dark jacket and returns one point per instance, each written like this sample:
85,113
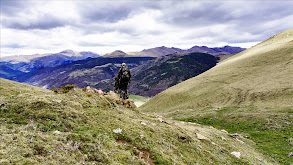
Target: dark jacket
122,81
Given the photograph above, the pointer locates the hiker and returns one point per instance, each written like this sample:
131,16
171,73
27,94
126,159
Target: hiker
122,80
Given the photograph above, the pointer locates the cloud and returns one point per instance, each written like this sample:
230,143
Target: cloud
44,22
104,26
37,14
11,7
103,12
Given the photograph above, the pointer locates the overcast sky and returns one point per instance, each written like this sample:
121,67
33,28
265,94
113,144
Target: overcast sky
29,27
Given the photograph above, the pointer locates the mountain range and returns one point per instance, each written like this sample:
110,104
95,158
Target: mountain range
27,63
152,74
82,73
250,93
163,72
162,51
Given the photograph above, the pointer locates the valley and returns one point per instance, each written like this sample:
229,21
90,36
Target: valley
249,93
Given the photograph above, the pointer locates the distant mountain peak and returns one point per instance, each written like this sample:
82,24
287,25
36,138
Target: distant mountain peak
69,51
119,51
116,53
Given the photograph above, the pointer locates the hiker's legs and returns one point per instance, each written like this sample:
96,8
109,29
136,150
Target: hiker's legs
124,92
116,87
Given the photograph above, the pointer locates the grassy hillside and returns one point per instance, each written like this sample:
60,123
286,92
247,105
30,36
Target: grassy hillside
251,93
41,127
139,100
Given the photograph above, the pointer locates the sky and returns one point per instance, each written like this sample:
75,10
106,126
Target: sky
39,26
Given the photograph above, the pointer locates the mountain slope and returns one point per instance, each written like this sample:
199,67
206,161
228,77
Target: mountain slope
251,92
116,53
156,52
161,51
150,75
157,75
41,127
82,73
7,72
27,63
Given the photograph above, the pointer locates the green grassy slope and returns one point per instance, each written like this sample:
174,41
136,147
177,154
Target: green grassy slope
139,100
251,92
41,127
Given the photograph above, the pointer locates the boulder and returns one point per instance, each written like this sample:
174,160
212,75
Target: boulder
235,135
88,89
236,154
128,103
201,137
114,96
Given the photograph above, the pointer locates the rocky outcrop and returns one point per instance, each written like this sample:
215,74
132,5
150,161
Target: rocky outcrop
111,95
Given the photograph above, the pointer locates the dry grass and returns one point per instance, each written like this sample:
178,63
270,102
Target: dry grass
40,127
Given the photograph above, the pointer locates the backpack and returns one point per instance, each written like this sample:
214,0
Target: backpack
125,75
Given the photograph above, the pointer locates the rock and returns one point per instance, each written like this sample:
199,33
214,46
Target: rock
99,92
3,104
290,141
56,100
141,136
57,132
89,90
114,96
290,155
128,103
236,154
218,108
235,135
118,130
160,119
223,138
240,141
201,137
224,131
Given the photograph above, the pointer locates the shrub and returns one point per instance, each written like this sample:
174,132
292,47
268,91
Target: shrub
64,89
